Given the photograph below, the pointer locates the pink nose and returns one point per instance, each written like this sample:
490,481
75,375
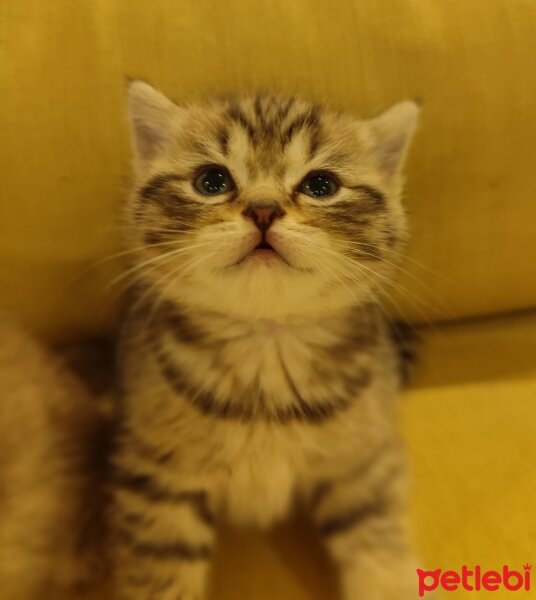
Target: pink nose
263,215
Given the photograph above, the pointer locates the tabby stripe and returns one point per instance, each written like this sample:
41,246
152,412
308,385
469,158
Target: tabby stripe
357,382
223,140
314,142
285,108
155,237
152,188
361,337
320,491
340,524
309,119
204,402
405,338
177,550
201,400
373,193
145,485
183,328
325,487
259,114
136,519
312,413
391,238
155,190
376,506
236,115
143,449
165,550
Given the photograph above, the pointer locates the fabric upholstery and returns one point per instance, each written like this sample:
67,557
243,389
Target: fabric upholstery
65,154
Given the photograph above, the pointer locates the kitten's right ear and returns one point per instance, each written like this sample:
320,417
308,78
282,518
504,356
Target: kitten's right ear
151,117
393,130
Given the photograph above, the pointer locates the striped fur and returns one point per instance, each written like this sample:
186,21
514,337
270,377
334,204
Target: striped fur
250,382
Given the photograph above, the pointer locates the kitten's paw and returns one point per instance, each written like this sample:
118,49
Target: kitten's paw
165,589
376,580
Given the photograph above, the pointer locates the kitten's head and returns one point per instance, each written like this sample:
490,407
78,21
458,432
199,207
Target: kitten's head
265,206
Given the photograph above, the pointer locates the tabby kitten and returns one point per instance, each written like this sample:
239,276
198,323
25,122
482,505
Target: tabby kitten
257,366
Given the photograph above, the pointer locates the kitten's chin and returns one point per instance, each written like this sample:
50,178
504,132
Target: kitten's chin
264,288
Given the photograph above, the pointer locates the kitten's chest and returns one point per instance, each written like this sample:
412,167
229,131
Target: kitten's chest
263,459
263,362
288,374
260,479
272,363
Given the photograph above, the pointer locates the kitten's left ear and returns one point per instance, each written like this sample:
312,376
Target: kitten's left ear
152,119
392,131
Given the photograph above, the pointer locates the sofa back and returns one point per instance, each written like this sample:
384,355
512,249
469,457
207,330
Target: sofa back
64,149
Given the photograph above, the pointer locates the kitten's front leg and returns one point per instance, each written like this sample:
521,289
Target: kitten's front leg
362,519
162,538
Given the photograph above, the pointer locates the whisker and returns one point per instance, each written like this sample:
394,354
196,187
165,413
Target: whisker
404,257
171,278
157,261
414,300
369,293
396,266
363,270
340,279
404,290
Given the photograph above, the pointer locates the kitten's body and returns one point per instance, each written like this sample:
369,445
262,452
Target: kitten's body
253,379
263,447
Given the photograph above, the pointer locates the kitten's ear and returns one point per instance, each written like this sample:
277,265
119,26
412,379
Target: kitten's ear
393,130
151,117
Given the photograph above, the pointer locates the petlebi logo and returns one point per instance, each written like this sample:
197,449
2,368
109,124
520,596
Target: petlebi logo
475,579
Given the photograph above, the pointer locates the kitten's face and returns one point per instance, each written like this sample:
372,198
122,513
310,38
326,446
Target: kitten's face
265,206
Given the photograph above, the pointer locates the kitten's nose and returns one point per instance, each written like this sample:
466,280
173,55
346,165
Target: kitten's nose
263,215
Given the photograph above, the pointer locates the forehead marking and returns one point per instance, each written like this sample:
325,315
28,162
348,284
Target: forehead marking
236,115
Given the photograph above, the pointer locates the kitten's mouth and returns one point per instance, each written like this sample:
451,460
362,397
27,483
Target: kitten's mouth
265,253
264,245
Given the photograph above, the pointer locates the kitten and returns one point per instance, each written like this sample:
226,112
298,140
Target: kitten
257,366
48,481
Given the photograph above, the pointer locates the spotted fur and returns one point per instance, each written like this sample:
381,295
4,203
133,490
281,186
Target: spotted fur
251,383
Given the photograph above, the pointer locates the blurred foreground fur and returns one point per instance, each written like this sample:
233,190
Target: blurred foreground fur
51,439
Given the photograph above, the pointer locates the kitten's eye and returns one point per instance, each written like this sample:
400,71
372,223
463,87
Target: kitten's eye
319,185
213,181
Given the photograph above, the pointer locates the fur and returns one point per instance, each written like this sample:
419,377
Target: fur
50,479
250,384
